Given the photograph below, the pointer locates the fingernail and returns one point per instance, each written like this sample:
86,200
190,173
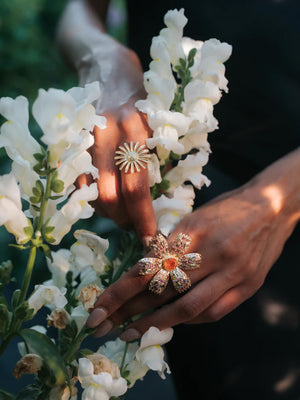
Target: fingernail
130,334
104,328
96,317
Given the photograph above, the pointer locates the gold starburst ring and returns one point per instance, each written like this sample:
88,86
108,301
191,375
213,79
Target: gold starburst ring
132,157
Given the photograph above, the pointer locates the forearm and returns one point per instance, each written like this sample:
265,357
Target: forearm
279,184
97,56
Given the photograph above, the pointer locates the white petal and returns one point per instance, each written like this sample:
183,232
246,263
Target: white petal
154,336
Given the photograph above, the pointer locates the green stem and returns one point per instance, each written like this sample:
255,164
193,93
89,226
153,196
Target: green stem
28,274
125,260
75,345
45,198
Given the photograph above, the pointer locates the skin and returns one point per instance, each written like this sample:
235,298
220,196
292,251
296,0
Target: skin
239,234
123,197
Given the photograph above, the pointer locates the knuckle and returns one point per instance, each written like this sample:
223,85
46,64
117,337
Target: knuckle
187,310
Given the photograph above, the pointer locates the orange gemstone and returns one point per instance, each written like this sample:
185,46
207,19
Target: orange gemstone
170,264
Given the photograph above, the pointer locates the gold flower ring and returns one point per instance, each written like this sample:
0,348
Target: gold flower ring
169,262
132,157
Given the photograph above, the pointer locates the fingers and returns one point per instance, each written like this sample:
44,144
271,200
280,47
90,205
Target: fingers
109,184
116,295
135,185
225,304
186,308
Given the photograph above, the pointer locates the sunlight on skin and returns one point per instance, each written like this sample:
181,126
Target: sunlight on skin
275,196
287,381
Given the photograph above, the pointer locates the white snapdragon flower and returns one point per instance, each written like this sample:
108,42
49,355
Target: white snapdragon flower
114,350
153,170
25,175
161,63
76,208
46,295
99,386
15,135
62,116
89,250
79,315
168,126
11,214
161,92
189,169
196,138
175,21
211,67
170,210
75,165
150,354
59,267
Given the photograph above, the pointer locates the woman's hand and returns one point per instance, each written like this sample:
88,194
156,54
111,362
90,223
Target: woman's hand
97,57
240,235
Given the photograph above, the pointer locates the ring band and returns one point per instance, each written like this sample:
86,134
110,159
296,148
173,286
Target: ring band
132,157
170,261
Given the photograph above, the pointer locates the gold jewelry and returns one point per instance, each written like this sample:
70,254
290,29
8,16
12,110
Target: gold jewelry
169,262
132,156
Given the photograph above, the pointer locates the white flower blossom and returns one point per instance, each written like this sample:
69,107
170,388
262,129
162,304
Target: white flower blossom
153,170
79,315
62,116
101,385
11,214
150,354
76,208
89,250
46,296
170,210
15,135
175,21
211,67
189,169
59,267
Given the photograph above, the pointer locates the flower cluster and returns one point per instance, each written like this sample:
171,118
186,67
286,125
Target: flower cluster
181,114
44,177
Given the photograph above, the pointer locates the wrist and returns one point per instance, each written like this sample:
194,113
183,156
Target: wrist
278,188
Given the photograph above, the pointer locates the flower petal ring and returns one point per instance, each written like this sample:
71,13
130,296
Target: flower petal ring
132,157
170,261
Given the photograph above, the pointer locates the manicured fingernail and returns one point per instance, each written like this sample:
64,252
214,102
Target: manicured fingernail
104,328
130,334
96,317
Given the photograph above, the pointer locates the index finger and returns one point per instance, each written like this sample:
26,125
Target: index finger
126,287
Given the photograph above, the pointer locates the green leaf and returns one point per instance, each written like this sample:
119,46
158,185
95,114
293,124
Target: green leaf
46,250
36,208
55,197
41,344
39,186
15,298
39,157
4,318
18,246
36,192
6,396
28,230
34,199
50,239
191,57
57,185
48,229
30,392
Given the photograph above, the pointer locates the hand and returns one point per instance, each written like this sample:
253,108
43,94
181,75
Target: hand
123,197
240,235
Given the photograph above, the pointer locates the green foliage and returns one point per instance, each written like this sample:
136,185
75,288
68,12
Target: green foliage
40,344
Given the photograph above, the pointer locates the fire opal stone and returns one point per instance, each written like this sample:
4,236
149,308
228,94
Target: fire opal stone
169,264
